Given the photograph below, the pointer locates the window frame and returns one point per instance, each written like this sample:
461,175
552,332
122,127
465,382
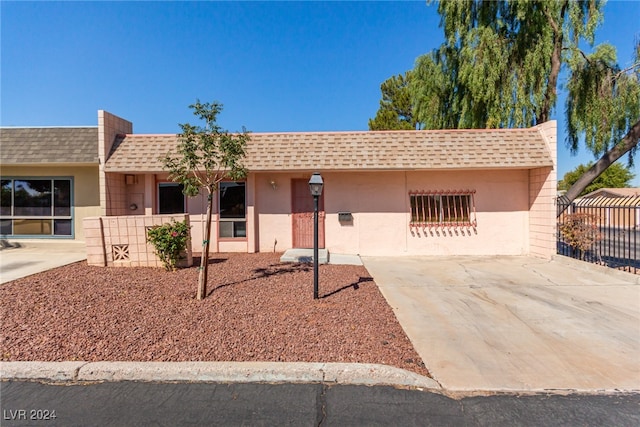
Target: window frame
51,218
232,219
169,184
429,209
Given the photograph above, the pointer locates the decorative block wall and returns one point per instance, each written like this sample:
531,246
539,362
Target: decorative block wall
542,221
121,241
542,196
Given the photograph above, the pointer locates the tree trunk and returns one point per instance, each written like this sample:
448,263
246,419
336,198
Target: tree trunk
204,259
629,141
556,63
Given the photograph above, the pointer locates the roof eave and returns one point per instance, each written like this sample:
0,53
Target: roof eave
46,163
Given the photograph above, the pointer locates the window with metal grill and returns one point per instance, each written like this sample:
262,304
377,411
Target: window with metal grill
443,208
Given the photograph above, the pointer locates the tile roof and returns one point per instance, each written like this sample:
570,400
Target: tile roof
35,145
365,150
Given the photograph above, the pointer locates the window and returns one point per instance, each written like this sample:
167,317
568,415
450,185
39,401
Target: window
36,207
233,223
170,198
442,208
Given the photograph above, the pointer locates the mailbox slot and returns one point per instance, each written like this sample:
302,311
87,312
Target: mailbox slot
345,217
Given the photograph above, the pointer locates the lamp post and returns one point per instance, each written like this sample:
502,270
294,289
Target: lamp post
315,187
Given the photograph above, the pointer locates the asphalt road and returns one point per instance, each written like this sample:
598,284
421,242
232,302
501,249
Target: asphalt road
184,404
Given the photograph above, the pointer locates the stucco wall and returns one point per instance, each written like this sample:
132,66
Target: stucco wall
379,203
86,199
141,190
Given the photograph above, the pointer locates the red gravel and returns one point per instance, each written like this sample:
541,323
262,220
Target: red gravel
258,309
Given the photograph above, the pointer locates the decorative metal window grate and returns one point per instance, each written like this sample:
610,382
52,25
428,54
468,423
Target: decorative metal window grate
444,208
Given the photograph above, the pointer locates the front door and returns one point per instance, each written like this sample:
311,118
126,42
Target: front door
302,213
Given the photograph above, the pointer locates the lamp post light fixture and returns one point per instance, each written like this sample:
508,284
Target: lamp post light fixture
315,187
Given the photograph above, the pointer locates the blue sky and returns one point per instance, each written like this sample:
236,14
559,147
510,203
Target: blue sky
276,66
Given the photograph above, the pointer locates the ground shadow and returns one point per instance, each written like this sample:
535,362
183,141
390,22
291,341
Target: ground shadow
354,285
282,268
197,260
272,270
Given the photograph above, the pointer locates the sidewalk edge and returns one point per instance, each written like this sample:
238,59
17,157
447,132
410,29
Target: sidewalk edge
225,372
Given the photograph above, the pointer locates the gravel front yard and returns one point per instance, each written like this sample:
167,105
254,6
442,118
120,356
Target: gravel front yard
258,309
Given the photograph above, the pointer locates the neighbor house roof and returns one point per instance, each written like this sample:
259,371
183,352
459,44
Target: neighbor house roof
608,202
613,192
365,150
50,145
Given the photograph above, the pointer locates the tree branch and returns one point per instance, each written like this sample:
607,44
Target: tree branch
627,143
626,70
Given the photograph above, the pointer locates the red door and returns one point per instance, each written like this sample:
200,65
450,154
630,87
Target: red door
302,214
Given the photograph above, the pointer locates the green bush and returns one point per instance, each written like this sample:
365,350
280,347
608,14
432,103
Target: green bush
170,241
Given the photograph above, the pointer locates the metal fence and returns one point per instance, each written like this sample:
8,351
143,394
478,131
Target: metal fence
610,228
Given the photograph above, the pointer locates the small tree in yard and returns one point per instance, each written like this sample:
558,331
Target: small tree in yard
204,157
580,231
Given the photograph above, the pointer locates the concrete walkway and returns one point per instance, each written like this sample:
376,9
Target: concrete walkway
324,257
26,257
517,323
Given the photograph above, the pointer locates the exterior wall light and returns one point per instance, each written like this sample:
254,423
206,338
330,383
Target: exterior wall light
316,184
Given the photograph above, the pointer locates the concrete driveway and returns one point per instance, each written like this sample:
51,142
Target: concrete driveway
517,323
24,258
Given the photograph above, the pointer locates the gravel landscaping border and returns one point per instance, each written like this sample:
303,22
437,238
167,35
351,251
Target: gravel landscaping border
257,309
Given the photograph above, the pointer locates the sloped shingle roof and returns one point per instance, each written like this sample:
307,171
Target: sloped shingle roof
609,202
366,150
48,145
613,192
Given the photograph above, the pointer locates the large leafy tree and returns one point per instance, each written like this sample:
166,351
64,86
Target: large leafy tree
205,156
395,110
500,61
603,109
500,64
616,176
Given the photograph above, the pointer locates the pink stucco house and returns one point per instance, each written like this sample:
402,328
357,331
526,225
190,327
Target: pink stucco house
448,192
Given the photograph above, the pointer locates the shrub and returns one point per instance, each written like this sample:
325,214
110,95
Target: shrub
170,241
580,231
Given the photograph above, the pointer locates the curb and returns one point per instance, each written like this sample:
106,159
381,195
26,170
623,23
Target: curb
224,372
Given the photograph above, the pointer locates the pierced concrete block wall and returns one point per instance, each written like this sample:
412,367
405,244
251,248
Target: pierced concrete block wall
121,241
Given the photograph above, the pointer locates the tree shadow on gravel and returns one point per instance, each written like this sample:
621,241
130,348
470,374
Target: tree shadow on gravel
198,259
354,285
272,270
282,268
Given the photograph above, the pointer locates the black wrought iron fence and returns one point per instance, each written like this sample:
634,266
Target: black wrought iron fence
602,230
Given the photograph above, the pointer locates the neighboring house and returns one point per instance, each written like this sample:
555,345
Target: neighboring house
612,207
611,193
447,192
49,181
